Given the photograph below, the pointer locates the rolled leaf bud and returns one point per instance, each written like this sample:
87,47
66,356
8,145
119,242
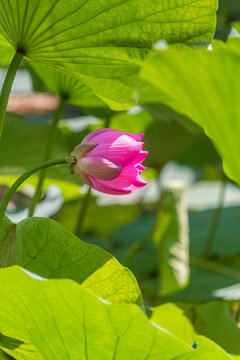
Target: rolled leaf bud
110,161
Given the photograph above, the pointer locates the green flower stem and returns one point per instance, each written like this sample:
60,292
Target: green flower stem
7,86
47,155
82,213
215,222
22,178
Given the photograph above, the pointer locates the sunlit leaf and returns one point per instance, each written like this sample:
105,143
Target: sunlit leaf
172,318
204,86
103,44
6,54
212,320
207,350
66,87
60,320
3,356
44,247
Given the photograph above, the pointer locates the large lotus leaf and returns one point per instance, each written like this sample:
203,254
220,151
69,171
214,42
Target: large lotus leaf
58,319
232,44
215,321
176,319
204,86
3,356
44,247
207,350
66,87
103,43
6,54
172,318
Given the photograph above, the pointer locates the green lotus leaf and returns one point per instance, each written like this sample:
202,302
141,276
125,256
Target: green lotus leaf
44,247
103,44
58,319
204,86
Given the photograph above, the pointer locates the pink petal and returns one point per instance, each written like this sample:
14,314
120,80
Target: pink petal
102,136
99,168
92,135
129,176
97,185
122,149
140,157
140,167
114,165
104,133
137,137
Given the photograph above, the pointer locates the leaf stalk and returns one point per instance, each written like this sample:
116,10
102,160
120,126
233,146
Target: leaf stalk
7,86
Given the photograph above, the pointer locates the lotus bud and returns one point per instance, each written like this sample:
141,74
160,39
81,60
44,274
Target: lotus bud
110,161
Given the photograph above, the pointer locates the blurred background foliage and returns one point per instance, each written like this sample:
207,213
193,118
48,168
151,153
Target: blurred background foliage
145,229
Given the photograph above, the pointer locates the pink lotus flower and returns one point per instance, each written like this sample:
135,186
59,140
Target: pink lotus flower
110,161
